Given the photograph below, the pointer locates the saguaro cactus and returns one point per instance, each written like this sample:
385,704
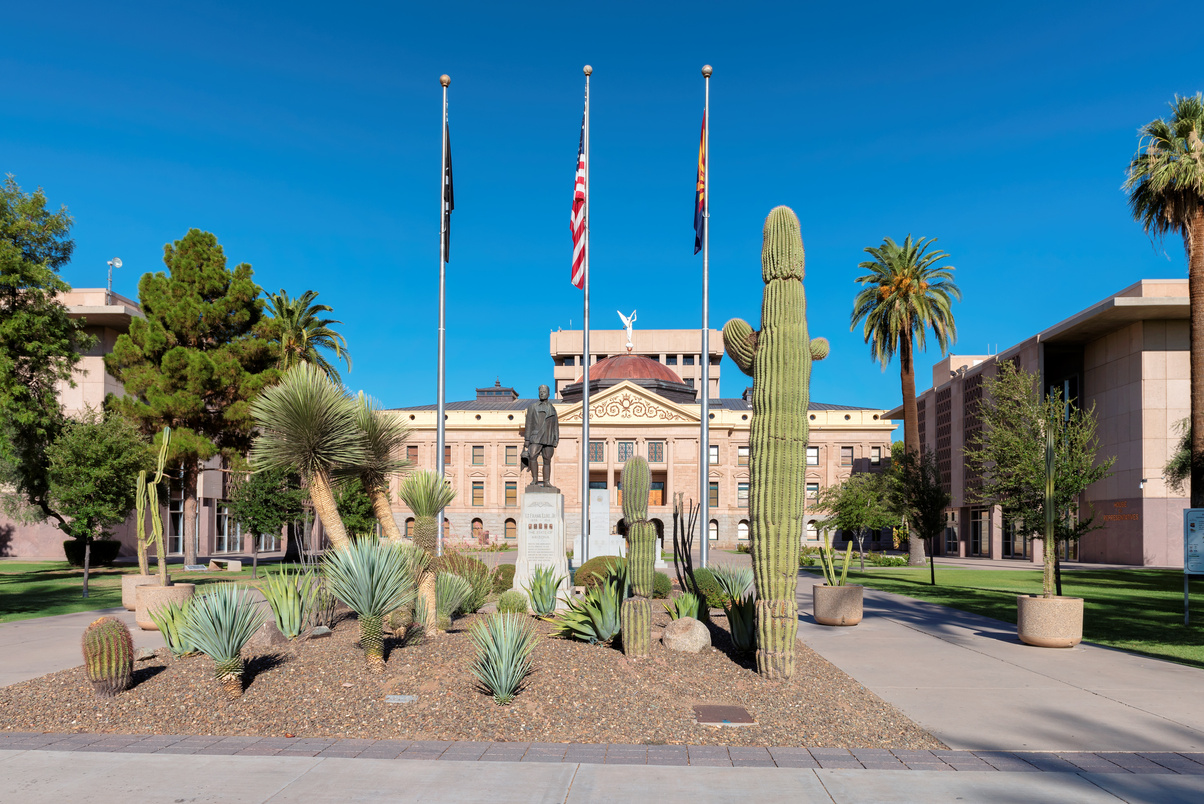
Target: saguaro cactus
636,614
147,496
108,656
778,358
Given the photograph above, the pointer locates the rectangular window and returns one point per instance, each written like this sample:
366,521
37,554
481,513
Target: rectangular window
222,543
412,454
512,455
511,493
875,456
597,452
812,491
447,454
267,542
846,456
713,495
687,360
713,454
656,494
626,451
656,451
478,492
478,455
597,485
742,495
670,360
742,456
813,456
175,523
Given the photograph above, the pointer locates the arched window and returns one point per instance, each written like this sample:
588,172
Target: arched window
713,530
478,530
410,528
511,529
812,531
742,531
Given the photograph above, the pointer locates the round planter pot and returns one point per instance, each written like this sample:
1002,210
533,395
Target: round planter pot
1049,622
837,605
151,598
129,583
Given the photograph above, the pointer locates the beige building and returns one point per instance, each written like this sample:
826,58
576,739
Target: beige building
1128,357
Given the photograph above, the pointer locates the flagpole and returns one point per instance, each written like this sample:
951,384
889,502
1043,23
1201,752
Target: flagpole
705,435
585,554
441,436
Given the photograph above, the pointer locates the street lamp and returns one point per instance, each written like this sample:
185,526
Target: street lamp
113,263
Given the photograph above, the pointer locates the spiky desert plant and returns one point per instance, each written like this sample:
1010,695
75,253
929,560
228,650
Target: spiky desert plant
220,623
308,423
738,593
828,564
542,590
684,605
451,591
641,557
778,358
108,656
503,644
426,494
293,596
170,618
385,435
373,578
146,495
596,617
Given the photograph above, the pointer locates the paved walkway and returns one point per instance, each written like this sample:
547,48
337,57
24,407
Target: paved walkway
35,647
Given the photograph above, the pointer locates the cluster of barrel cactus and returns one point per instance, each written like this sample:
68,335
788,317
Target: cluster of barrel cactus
636,615
778,358
109,656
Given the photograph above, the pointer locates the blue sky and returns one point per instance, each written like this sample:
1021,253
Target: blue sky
306,136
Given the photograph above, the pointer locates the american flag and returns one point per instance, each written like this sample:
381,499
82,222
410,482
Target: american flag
577,222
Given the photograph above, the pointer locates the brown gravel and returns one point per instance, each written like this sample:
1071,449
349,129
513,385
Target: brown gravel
578,693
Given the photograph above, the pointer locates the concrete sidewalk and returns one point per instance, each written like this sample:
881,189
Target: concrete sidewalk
969,681
35,647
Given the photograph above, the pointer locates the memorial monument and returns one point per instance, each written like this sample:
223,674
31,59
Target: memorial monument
541,521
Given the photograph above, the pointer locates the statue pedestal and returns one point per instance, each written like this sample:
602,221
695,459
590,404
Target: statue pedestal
541,538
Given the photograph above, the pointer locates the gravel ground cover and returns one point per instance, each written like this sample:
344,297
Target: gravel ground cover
579,693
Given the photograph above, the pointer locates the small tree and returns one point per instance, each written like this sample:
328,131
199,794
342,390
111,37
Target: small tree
859,504
921,500
355,507
264,502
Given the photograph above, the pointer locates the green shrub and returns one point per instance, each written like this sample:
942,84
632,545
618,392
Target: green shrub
476,572
591,573
708,589
661,585
512,601
883,560
503,578
503,645
104,552
743,547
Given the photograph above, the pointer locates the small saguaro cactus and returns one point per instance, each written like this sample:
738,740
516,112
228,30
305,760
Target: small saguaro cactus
778,358
109,656
636,613
147,496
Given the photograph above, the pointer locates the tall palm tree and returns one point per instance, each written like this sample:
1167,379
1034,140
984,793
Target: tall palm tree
385,435
308,423
302,332
1166,194
906,293
426,493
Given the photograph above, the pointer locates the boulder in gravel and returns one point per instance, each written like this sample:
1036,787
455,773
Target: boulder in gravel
687,635
267,636
319,631
143,655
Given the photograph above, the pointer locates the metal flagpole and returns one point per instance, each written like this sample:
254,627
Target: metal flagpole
704,469
585,353
441,436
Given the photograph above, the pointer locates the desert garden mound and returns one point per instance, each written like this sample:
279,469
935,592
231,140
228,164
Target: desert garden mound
578,692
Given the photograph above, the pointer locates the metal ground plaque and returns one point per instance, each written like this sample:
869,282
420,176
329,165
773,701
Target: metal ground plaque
718,715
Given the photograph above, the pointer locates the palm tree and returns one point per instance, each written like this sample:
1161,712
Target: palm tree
308,423
1166,194
302,333
905,293
426,493
385,435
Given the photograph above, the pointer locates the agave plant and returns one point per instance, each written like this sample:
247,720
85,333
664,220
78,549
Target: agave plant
373,578
542,590
170,619
293,597
219,625
426,494
738,593
596,616
503,645
450,593
684,605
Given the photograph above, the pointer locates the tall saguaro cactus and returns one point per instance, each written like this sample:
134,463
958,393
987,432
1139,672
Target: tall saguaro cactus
778,358
147,496
636,613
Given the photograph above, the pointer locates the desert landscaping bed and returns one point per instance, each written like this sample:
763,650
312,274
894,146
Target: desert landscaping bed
577,693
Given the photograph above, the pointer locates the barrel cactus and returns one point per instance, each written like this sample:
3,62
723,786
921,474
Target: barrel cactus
109,656
641,558
778,358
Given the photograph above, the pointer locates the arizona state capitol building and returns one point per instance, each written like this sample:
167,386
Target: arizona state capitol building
645,402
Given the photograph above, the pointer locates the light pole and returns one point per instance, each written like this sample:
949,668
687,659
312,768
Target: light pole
113,263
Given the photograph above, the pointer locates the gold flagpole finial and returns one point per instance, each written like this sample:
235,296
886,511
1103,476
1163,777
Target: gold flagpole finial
444,80
587,69
706,71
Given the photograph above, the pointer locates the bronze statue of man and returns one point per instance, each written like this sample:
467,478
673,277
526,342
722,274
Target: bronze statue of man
543,434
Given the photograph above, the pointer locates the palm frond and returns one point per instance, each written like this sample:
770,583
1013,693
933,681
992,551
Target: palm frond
302,333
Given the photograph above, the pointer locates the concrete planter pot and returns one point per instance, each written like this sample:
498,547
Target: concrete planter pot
837,605
150,598
1049,622
131,582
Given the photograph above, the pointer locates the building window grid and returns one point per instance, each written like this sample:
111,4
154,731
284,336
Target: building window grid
478,493
846,456
511,530
742,454
922,422
971,427
944,437
625,451
980,542
447,455
713,454
478,455
813,456
741,495
812,491
511,455
656,451
511,493
412,454
875,456
597,452
713,494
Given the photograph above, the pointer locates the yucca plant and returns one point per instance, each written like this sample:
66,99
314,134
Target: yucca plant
170,619
293,597
503,645
684,605
385,435
450,593
596,616
373,578
219,624
308,423
542,590
739,603
426,494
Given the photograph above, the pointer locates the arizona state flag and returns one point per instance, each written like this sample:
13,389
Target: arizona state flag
700,192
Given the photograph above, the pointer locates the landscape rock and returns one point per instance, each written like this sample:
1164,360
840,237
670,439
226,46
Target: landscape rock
267,636
143,655
319,632
687,635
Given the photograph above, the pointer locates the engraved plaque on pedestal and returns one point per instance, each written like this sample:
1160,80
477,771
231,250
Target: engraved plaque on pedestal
541,539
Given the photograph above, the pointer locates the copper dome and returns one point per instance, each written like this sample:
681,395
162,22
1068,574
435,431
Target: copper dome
631,367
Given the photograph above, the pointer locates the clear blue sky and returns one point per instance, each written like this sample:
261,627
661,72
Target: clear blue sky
306,136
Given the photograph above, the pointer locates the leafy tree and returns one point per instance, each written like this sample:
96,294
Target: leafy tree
1010,453
921,500
1177,471
1166,194
906,292
196,360
301,332
264,502
39,347
859,504
355,507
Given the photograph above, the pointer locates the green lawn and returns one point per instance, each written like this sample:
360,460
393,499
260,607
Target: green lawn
1139,610
43,588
